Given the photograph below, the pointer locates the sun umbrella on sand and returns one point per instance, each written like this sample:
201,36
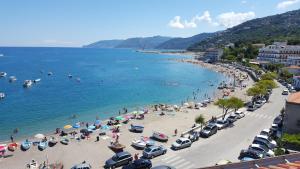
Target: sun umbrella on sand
97,122
119,118
39,136
76,126
105,127
91,127
67,126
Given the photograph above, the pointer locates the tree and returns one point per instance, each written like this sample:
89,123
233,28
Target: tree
269,76
285,74
269,84
231,103
200,120
257,91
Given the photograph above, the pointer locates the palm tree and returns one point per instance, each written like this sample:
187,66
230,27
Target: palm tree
200,120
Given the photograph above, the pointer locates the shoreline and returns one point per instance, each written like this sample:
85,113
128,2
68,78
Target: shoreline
181,120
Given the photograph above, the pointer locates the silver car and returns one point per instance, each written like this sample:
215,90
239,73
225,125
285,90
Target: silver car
181,143
154,151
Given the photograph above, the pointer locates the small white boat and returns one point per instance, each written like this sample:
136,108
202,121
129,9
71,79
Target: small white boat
78,79
43,145
26,145
2,96
70,76
36,80
27,83
139,143
3,74
50,73
12,79
1,55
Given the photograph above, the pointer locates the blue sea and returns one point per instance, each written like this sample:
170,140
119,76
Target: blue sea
110,79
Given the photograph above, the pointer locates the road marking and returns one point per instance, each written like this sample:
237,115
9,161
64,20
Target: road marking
174,159
178,162
167,158
183,165
189,167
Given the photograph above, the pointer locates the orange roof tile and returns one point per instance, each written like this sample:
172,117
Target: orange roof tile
294,98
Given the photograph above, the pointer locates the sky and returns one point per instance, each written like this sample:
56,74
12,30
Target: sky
73,23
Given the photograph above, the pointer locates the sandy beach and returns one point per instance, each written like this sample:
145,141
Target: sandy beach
95,153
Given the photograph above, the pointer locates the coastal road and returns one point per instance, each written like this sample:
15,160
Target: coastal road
227,143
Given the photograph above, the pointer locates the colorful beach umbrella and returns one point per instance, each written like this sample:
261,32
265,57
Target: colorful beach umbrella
105,127
76,126
127,117
67,126
97,122
39,136
91,127
119,118
2,147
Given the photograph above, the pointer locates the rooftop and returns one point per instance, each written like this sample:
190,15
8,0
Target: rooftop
294,98
293,67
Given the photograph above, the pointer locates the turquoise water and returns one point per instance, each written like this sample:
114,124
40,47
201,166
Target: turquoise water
110,79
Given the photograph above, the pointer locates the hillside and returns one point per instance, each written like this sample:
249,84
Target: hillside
104,44
143,43
184,43
284,26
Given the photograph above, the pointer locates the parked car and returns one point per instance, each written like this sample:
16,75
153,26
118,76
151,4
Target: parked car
274,127
232,118
139,164
209,130
239,114
262,149
163,167
263,100
83,165
259,103
194,136
278,120
262,142
272,142
181,143
251,107
246,155
285,92
118,160
154,151
266,132
221,124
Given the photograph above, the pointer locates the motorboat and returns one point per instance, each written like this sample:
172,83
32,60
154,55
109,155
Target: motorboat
78,79
136,128
26,145
64,141
2,96
36,80
142,142
160,136
70,76
3,74
116,147
12,79
50,73
42,145
27,83
52,142
12,146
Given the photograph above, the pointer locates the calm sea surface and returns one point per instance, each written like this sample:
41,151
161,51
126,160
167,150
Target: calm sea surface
110,79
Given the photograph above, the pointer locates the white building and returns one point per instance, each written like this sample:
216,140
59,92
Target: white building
281,53
212,55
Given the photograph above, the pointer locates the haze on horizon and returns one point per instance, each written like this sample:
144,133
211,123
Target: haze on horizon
72,23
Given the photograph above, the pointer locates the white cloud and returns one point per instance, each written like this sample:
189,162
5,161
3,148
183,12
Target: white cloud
287,3
244,2
176,23
193,23
231,19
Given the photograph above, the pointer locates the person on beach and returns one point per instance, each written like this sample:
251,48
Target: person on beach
87,125
12,138
175,132
136,156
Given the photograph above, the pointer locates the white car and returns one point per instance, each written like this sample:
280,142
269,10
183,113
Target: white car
259,103
181,143
263,149
285,92
221,124
265,132
266,138
239,114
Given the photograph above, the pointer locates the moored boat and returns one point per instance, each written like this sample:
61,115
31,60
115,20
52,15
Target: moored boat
50,73
70,76
64,141
27,83
36,80
43,145
26,145
52,142
142,142
160,136
136,128
2,95
12,146
3,74
116,147
12,79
